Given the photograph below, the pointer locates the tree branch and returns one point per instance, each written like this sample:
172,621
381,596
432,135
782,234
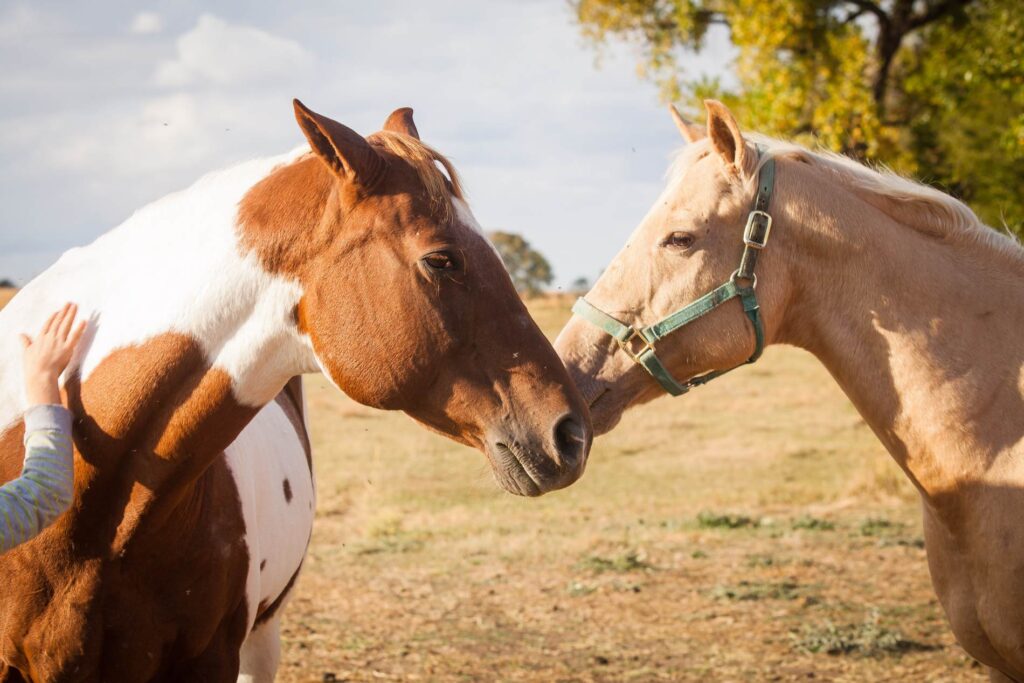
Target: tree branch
936,12
869,6
852,16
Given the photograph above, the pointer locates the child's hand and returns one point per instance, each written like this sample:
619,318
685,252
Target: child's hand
49,353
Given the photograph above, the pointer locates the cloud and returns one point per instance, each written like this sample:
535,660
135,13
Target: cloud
569,155
22,20
146,23
222,54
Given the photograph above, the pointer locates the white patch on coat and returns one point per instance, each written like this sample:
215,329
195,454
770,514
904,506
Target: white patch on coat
173,266
264,455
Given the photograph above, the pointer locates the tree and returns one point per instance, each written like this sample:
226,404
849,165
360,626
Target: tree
580,285
929,87
7,284
529,270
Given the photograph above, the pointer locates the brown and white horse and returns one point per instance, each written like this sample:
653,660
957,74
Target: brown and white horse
357,257
913,305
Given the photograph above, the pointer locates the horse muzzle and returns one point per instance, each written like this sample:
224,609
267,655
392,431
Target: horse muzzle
526,467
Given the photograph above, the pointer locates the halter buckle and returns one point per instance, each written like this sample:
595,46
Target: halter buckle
759,226
625,344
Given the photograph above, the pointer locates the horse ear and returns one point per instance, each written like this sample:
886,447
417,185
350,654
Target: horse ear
345,151
725,135
401,121
691,132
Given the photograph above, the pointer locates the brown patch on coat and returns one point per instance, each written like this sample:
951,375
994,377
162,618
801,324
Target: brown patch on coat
290,401
266,611
144,578
12,455
287,486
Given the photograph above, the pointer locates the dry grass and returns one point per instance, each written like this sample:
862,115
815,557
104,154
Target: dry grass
693,549
420,569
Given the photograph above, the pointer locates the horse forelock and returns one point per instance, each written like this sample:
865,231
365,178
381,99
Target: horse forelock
440,187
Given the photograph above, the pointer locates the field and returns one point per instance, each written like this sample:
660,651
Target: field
691,550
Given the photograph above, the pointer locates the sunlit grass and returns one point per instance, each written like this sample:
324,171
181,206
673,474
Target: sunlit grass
742,531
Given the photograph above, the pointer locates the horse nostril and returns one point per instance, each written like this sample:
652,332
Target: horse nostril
570,441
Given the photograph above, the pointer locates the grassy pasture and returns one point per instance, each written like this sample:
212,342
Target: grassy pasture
691,550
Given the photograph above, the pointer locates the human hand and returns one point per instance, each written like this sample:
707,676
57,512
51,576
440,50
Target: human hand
46,356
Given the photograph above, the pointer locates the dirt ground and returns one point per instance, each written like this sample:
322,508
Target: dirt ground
692,549
751,531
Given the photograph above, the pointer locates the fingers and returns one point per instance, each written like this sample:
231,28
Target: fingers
48,325
67,320
26,341
76,335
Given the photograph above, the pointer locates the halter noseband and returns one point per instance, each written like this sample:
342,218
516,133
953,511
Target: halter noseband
755,238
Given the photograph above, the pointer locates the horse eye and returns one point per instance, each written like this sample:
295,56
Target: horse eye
440,260
680,240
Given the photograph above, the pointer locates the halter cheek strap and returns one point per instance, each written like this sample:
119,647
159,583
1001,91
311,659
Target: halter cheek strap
639,343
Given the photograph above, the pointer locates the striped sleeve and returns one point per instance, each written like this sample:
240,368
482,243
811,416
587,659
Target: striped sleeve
43,492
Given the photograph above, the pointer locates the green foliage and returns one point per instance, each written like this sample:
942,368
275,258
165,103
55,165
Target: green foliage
626,562
710,520
869,639
529,270
878,526
809,523
966,100
755,590
933,88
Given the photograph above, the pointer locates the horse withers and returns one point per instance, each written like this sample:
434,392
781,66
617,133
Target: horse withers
356,257
913,305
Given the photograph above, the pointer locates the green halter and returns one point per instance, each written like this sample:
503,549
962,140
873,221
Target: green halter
755,238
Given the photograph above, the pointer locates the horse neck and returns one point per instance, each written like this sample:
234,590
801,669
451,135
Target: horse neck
188,337
920,332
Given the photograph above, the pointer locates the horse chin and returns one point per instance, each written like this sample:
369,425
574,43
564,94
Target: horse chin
606,411
512,471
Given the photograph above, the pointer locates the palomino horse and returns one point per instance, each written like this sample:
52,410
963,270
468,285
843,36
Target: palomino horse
194,492
913,305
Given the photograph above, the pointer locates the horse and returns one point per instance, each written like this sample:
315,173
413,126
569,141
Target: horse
194,496
913,305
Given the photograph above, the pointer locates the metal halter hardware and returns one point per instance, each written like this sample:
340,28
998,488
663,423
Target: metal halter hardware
755,238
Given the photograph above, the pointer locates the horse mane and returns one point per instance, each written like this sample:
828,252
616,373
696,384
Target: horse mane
425,159
906,201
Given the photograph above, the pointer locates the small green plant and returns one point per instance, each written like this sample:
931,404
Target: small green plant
711,520
812,524
750,590
868,639
699,555
916,542
878,526
755,561
627,562
578,588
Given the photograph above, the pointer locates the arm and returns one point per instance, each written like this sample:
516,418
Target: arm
32,502
46,486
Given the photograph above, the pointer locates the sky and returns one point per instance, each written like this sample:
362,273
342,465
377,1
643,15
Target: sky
108,105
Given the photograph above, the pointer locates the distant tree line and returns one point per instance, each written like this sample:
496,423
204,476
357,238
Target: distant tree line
529,270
